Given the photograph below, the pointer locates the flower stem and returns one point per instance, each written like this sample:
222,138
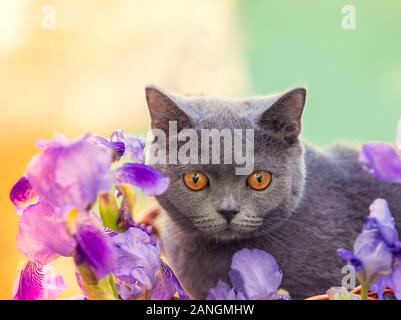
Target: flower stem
364,292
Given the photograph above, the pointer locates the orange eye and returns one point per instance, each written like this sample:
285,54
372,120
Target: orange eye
259,180
195,180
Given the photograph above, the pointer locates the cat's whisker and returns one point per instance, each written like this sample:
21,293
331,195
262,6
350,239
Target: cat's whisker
303,226
272,239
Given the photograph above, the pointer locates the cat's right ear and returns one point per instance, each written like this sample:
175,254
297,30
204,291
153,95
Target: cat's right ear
283,117
163,109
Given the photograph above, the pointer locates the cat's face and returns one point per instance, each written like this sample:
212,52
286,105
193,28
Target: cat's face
211,199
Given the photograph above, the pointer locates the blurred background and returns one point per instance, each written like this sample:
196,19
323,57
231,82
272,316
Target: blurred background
81,66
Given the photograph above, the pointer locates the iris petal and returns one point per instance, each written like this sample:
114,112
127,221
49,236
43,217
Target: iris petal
43,234
134,147
222,291
149,180
380,211
37,282
117,147
21,192
255,273
350,258
123,144
138,258
167,285
95,247
381,161
70,174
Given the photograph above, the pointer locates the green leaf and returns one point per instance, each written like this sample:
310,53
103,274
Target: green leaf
127,206
109,211
96,289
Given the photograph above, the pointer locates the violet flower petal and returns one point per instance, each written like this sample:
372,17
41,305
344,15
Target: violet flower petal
138,260
134,146
349,258
95,247
149,180
21,192
43,234
167,285
122,144
125,292
373,252
37,282
117,147
222,291
70,174
255,273
380,211
381,161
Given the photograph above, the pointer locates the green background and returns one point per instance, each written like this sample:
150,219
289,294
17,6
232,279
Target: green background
353,76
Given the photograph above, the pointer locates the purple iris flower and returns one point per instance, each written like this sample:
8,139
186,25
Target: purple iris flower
122,144
44,236
377,249
37,282
140,271
70,174
138,260
383,161
254,275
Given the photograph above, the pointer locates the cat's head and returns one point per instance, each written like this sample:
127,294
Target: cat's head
211,199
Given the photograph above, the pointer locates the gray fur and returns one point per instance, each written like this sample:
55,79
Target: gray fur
314,205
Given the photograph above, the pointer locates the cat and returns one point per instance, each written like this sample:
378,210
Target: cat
315,203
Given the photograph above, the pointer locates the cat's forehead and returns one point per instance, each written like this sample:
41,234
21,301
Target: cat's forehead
215,112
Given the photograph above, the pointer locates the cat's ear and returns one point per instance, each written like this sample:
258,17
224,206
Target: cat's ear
283,117
163,109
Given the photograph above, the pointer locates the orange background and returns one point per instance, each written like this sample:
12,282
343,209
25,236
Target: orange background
88,75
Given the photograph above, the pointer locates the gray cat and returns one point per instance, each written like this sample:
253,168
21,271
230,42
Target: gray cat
314,204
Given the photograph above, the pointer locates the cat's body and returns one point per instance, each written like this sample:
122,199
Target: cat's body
336,199
316,203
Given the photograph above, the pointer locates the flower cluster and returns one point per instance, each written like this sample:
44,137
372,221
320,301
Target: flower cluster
377,250
56,199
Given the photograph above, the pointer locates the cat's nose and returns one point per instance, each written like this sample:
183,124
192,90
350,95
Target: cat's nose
229,207
228,214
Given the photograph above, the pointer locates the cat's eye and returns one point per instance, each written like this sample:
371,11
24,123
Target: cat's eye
259,180
196,180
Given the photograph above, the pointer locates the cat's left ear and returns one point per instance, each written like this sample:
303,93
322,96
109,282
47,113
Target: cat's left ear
283,117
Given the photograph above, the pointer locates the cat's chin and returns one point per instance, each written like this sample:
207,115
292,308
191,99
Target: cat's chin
229,233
